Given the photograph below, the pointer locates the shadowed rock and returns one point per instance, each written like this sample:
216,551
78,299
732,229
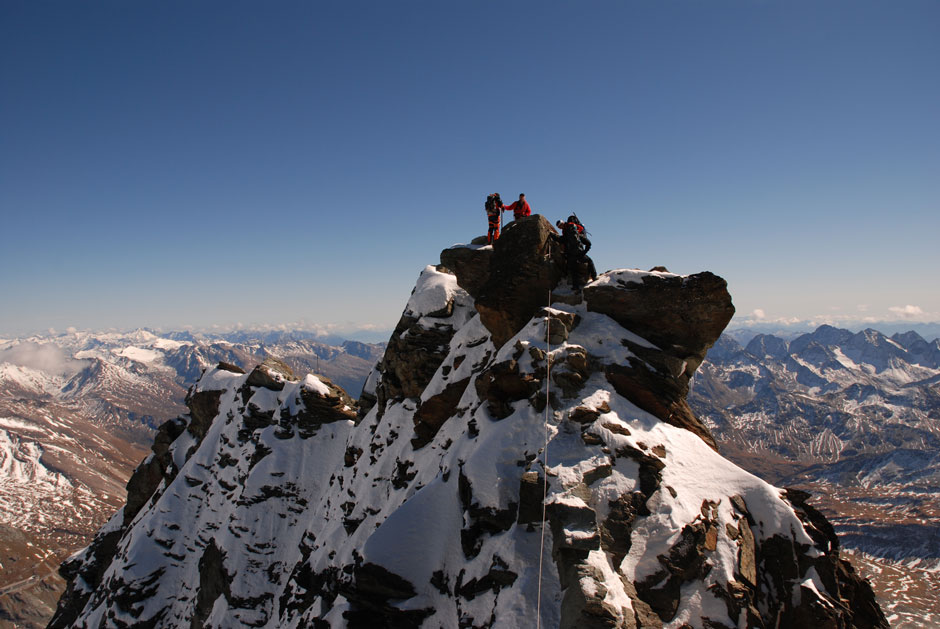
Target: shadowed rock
271,374
322,407
659,394
148,475
471,265
413,355
434,411
203,407
524,269
371,595
502,384
683,316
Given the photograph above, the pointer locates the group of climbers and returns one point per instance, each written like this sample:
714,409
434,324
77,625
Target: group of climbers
494,213
573,241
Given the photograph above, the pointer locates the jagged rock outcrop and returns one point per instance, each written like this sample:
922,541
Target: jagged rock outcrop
512,458
420,341
272,374
682,317
523,271
156,468
470,265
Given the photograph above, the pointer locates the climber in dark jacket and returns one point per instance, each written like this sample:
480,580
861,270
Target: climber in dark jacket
575,246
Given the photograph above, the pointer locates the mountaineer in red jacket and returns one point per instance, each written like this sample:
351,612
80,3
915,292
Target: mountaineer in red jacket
520,208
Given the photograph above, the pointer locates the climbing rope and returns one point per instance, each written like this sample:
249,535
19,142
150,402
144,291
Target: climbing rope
548,373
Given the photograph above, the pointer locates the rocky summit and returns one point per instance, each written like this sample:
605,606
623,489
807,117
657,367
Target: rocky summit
521,456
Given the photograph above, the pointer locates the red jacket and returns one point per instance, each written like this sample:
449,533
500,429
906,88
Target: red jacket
520,209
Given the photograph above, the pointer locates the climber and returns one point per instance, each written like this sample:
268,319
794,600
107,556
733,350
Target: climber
575,246
494,211
520,208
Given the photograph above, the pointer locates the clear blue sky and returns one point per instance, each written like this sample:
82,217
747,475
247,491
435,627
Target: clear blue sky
195,163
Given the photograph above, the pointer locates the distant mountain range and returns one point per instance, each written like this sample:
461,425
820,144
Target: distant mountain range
745,329
77,414
827,396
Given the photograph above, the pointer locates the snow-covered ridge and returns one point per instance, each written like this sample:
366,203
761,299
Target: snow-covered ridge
624,277
271,504
433,292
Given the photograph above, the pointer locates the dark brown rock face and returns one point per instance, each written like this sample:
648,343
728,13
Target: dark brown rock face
470,265
271,374
766,570
323,403
523,270
203,407
213,582
413,354
434,411
328,406
417,347
837,575
153,470
660,393
683,317
502,384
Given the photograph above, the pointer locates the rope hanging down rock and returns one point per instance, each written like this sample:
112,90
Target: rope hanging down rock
548,374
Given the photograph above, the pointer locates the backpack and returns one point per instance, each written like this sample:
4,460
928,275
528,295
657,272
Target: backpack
493,204
572,239
574,220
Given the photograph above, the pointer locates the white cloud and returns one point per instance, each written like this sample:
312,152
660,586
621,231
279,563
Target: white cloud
44,357
347,329
758,319
908,311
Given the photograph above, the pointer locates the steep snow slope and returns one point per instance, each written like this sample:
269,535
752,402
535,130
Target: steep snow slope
512,463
